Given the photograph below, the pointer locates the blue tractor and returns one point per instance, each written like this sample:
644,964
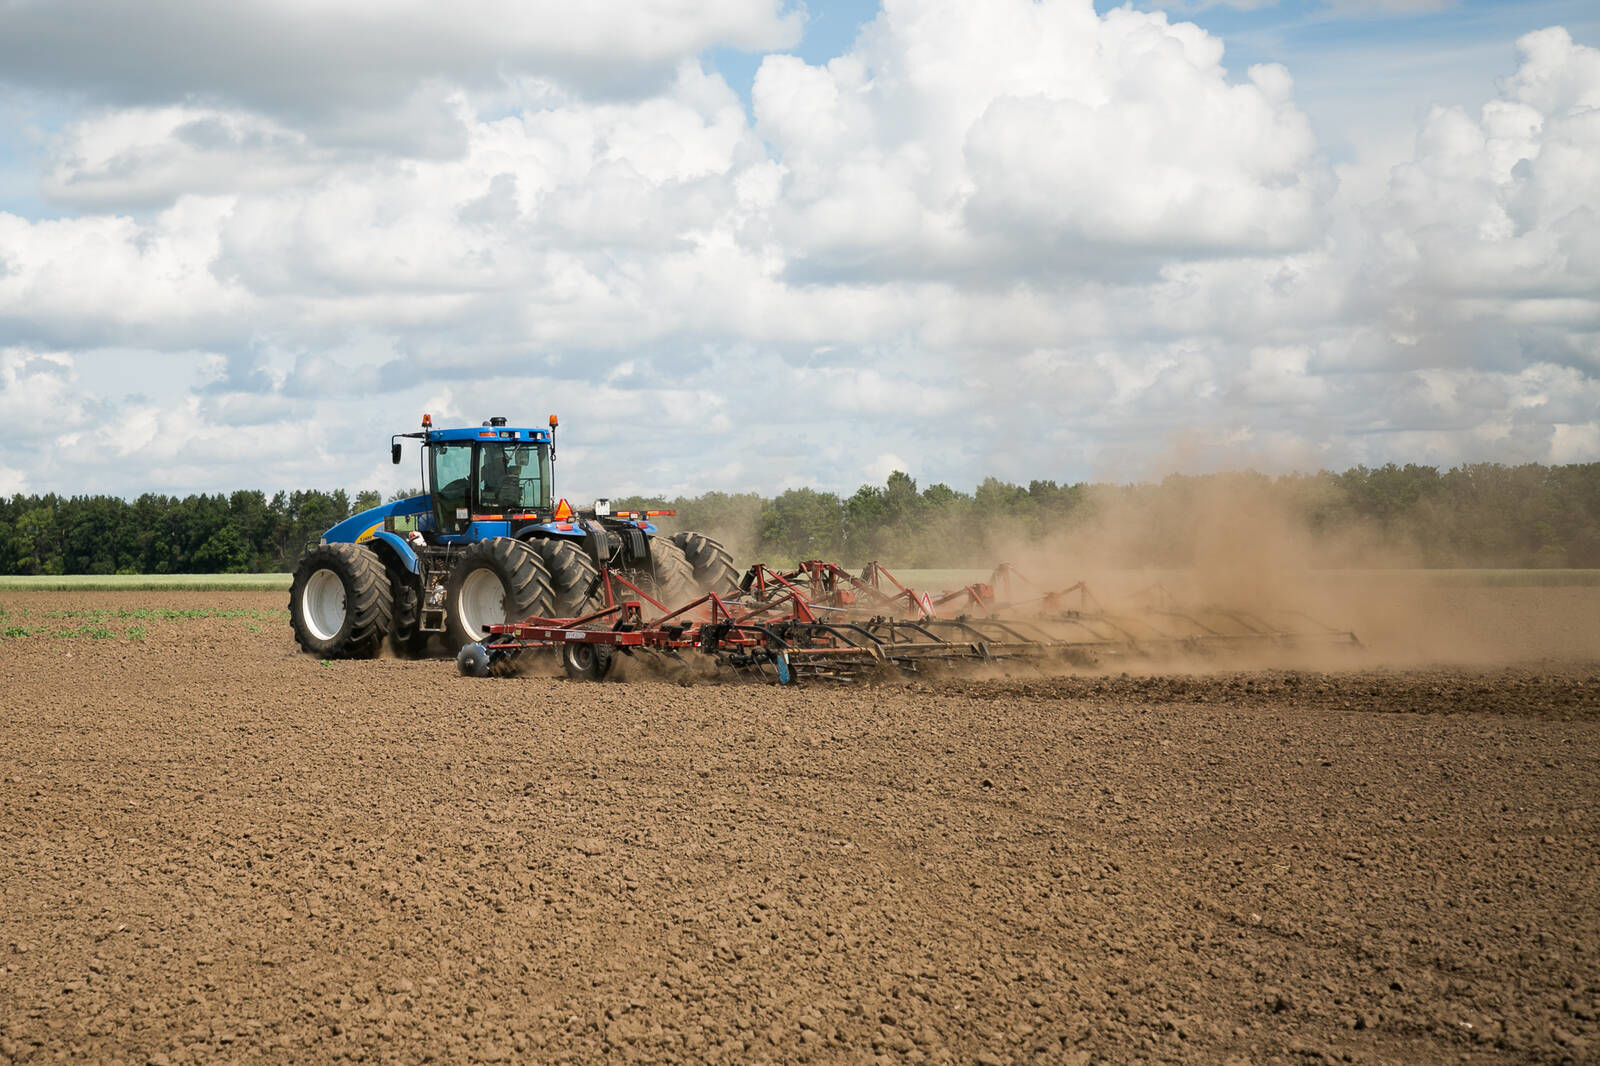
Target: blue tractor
488,542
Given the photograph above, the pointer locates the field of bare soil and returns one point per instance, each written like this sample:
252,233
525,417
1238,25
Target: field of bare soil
213,848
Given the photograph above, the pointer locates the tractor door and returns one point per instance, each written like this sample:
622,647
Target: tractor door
450,473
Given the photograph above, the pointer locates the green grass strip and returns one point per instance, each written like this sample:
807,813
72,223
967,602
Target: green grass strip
145,582
167,614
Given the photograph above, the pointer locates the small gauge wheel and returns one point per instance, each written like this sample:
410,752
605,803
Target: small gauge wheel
587,662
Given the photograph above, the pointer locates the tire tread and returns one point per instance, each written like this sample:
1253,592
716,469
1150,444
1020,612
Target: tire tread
712,563
674,577
574,579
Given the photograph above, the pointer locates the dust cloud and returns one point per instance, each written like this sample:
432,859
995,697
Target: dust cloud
1235,542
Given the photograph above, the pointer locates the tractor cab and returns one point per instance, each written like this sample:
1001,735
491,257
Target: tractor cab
486,476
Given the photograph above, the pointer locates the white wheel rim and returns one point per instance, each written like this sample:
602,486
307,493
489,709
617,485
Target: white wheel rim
322,607
482,603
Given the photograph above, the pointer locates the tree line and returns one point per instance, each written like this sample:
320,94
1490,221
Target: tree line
1480,515
240,532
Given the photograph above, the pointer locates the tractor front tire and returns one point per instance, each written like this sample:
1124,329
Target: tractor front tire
674,577
496,581
574,579
712,563
340,602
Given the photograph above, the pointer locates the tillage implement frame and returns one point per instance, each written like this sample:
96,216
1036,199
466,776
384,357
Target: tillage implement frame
819,621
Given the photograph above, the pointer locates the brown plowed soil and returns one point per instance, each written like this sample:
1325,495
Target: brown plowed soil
215,848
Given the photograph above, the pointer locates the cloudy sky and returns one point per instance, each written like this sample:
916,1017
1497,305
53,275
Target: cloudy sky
754,244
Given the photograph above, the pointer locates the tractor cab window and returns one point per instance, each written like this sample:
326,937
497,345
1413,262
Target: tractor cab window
452,482
511,477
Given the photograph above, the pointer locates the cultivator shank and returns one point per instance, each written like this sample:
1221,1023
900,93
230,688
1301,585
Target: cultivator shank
820,621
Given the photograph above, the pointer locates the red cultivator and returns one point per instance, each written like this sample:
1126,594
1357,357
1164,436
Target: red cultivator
821,621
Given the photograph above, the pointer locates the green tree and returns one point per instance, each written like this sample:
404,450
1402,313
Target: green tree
35,542
801,524
224,552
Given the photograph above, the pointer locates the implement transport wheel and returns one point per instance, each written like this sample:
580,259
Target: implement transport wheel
574,579
340,603
587,662
496,581
711,562
674,577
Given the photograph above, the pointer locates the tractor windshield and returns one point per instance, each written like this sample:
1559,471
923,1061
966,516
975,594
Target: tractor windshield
513,477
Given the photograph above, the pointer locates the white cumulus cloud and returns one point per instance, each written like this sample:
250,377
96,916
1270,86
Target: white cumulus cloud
1026,137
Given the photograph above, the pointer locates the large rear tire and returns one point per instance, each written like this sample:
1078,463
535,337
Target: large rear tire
574,579
674,577
340,602
712,563
496,581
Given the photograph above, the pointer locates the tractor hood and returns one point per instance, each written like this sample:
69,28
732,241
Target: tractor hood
361,526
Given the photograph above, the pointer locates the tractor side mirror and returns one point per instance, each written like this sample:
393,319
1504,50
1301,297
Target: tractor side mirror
394,453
